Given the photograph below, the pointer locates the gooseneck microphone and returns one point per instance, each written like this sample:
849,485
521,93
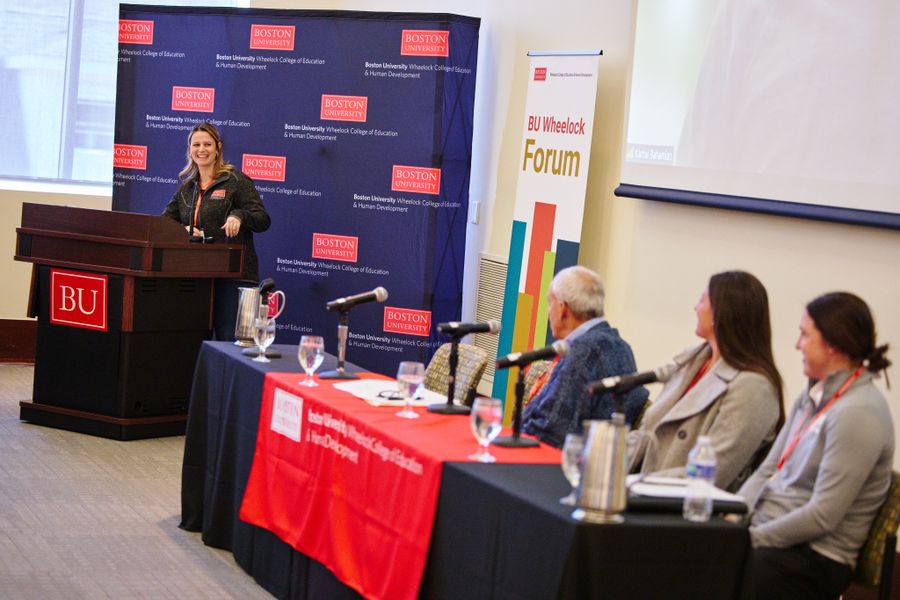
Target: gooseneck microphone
461,329
620,384
266,286
379,294
520,359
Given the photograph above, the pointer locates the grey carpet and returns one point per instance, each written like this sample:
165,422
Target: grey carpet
87,517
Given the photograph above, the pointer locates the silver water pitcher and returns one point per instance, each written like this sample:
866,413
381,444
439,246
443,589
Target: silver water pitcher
250,307
601,495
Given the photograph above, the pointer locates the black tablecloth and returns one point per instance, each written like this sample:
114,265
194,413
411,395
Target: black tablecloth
220,440
499,530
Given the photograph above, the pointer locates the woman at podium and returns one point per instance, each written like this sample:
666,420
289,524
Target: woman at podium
217,203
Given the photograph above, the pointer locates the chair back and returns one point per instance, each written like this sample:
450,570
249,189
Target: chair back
535,370
469,369
881,544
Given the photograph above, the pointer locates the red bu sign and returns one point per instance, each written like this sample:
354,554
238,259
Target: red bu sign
335,247
344,108
260,166
272,37
407,320
540,73
127,156
193,99
135,32
78,299
428,42
421,180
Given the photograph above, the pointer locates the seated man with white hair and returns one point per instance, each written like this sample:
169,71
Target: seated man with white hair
595,351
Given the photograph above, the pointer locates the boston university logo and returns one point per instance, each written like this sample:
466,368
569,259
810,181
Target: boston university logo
261,166
128,156
428,42
420,180
135,32
407,321
335,247
193,99
344,108
272,37
540,73
78,299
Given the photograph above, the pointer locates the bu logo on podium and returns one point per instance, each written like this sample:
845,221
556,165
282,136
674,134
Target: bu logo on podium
78,299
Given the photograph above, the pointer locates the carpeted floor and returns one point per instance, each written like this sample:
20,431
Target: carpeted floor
87,517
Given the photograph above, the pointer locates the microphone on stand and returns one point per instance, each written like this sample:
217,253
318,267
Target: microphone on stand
457,331
266,286
343,306
461,329
621,384
520,359
379,294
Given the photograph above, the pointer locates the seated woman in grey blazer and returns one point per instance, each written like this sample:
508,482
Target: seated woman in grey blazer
727,388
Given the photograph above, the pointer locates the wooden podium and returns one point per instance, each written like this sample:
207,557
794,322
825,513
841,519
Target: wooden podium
123,302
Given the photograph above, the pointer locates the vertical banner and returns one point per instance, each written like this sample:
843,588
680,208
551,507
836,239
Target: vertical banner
553,167
356,129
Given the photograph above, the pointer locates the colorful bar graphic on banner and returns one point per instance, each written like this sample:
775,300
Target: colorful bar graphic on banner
549,208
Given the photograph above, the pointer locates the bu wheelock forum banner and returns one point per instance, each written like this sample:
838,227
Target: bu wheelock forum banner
357,131
553,169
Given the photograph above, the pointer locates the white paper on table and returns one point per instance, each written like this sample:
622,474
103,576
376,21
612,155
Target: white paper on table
368,390
671,487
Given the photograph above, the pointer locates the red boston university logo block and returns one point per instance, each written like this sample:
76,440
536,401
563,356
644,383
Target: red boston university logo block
421,180
193,99
262,166
427,42
344,108
135,32
335,247
407,320
272,37
129,156
79,299
540,73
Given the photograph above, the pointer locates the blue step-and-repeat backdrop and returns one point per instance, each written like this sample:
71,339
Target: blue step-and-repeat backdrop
356,129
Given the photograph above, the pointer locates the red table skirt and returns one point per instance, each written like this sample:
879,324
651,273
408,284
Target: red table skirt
354,486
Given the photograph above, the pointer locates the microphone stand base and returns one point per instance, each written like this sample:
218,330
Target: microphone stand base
515,441
255,352
448,409
337,375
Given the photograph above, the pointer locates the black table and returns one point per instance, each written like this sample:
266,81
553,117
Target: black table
499,530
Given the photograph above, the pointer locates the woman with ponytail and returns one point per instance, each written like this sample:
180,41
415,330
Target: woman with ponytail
815,496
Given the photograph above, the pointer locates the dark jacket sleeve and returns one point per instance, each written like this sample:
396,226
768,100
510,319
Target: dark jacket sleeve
173,208
248,206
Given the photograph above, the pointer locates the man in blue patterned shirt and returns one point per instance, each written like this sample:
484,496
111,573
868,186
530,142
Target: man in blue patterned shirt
596,351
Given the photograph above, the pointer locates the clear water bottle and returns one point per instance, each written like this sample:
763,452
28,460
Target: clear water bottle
701,475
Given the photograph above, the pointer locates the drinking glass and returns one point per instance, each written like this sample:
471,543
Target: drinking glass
486,417
263,335
572,451
311,353
410,376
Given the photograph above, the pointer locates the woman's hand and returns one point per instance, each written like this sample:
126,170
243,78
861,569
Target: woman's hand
232,226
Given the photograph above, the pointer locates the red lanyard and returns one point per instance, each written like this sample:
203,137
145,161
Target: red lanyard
200,191
799,434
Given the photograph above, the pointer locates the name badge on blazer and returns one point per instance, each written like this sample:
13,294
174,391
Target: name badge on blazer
218,194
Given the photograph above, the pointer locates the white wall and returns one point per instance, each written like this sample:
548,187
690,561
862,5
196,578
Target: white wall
656,258
17,275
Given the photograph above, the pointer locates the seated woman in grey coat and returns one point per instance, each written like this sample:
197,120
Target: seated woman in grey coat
727,388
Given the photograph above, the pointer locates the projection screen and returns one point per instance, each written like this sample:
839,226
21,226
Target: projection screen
770,106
